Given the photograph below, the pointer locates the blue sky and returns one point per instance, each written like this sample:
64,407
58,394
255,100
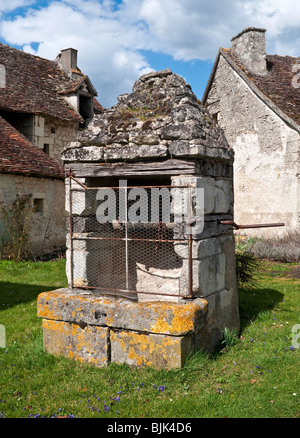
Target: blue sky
118,40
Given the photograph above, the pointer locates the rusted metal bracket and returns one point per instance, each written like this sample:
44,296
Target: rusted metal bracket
243,227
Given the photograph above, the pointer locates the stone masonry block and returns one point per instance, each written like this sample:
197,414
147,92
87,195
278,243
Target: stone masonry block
201,199
100,329
79,268
82,343
154,350
212,274
200,248
78,196
176,319
223,196
208,275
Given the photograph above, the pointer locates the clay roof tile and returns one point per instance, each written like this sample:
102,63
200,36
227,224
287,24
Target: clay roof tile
19,156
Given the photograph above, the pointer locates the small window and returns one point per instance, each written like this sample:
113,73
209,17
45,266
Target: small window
46,149
38,205
53,130
215,116
85,109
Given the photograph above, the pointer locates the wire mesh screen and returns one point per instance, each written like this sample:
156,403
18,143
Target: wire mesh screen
130,239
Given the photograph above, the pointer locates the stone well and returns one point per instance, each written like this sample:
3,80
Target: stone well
146,288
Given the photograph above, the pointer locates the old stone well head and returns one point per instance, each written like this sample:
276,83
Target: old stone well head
151,269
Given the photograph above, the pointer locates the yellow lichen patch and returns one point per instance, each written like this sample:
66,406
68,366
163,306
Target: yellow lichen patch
132,355
138,339
110,321
160,326
56,326
71,354
115,337
167,341
183,320
47,304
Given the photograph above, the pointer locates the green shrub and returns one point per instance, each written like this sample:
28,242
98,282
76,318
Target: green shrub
229,337
16,221
246,265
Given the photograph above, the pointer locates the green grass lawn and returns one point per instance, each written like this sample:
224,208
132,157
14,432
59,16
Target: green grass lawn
257,377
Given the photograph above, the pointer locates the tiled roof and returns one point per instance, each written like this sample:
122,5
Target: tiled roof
74,85
19,156
98,108
277,85
33,84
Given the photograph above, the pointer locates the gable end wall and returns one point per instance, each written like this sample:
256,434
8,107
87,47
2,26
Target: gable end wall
266,169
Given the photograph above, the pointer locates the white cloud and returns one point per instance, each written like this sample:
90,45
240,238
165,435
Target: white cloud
110,35
282,21
176,29
195,29
7,6
107,48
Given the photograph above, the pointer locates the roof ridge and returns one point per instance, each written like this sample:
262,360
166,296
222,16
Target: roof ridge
28,54
265,87
32,84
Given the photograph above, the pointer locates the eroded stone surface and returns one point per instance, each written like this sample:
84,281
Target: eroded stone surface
82,307
84,343
102,329
136,349
161,117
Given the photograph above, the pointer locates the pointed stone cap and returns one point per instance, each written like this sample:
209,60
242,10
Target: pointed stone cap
162,117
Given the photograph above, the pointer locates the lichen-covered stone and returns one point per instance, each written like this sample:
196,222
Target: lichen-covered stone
84,343
84,307
138,349
100,329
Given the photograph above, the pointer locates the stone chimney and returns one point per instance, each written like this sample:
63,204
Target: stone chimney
68,59
250,47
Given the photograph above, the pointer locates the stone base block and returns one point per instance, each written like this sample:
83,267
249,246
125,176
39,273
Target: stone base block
150,349
100,329
85,344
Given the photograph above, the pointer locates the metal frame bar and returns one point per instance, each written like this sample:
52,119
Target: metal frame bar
244,227
127,239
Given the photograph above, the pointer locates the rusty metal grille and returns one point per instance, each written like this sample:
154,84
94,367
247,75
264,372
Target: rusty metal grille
130,239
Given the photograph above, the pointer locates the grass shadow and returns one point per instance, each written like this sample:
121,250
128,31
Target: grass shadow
24,281
253,302
12,294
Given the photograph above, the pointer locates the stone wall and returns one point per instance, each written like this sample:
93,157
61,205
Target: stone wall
266,166
48,230
250,47
55,133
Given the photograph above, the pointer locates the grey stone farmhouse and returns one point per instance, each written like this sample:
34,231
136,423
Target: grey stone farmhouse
255,99
43,104
26,170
